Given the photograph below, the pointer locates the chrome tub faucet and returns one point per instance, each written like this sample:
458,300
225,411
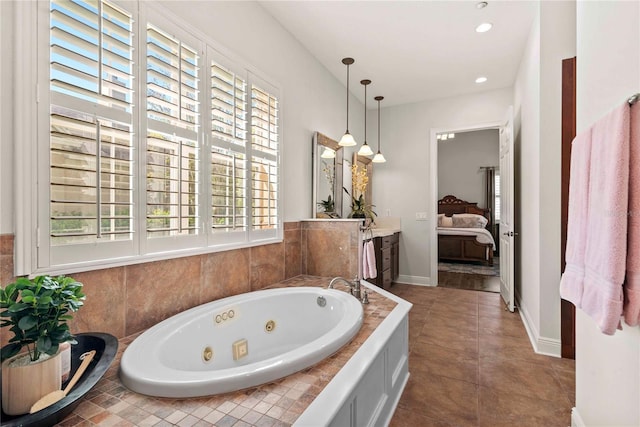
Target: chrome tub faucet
354,288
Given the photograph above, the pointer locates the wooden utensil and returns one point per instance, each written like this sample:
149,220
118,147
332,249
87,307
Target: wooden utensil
54,396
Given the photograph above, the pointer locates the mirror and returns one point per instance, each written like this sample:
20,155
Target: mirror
327,177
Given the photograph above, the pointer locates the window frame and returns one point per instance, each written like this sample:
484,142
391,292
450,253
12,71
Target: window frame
34,253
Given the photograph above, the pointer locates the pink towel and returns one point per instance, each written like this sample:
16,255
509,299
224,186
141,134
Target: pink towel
597,227
371,260
632,283
365,262
368,260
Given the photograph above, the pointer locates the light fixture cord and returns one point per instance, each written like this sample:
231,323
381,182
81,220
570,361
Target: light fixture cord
347,98
365,114
378,126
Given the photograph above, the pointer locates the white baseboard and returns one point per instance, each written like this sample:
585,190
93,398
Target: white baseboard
414,280
541,345
576,419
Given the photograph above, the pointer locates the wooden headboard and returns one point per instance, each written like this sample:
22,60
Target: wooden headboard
450,205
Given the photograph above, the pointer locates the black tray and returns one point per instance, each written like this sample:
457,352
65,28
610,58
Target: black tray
106,346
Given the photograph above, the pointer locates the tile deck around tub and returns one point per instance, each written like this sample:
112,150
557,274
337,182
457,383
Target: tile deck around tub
278,403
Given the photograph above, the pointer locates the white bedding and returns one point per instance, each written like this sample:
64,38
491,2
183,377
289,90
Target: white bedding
482,234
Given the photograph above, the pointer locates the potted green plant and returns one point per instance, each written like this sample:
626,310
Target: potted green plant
36,311
359,207
327,205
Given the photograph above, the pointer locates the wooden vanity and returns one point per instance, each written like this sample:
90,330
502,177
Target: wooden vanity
387,250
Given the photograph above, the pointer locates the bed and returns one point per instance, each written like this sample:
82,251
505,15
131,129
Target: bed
463,232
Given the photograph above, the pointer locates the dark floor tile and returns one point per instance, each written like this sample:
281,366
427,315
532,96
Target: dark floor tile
438,360
441,398
449,337
497,408
459,336
501,325
520,377
408,418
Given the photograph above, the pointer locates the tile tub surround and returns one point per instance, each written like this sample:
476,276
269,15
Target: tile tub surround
330,247
124,300
275,404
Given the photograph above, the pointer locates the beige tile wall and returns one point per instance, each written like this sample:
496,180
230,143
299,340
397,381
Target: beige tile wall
125,300
330,248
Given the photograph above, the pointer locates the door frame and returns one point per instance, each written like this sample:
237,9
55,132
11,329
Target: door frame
433,199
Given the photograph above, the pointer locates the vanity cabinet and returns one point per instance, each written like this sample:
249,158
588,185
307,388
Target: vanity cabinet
387,259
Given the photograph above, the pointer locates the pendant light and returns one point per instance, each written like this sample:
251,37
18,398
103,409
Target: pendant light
379,158
347,139
365,150
328,153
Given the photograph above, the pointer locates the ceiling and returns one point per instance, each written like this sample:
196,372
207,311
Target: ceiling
412,50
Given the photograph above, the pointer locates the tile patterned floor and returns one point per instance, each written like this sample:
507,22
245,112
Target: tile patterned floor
472,364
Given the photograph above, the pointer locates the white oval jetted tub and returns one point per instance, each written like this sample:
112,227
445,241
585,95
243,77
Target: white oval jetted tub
240,341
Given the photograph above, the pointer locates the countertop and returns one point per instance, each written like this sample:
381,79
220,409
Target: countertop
381,232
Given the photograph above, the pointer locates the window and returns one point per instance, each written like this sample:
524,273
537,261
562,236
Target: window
264,171
135,168
228,152
173,119
91,126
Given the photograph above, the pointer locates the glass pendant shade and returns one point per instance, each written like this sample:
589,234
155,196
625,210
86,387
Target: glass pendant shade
378,158
328,153
347,140
365,150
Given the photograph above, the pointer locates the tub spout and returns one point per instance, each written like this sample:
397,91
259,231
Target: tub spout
354,285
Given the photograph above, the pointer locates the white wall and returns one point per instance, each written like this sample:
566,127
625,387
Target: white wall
459,163
401,186
538,93
6,126
312,99
608,72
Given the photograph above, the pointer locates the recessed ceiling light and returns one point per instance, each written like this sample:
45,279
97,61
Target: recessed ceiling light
481,79
484,27
481,4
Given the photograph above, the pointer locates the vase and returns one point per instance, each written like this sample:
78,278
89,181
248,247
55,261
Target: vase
23,385
358,214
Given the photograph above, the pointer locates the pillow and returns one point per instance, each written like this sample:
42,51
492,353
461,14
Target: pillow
469,221
440,217
447,221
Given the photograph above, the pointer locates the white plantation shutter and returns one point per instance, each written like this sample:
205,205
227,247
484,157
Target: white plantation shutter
91,123
264,161
228,153
173,120
135,172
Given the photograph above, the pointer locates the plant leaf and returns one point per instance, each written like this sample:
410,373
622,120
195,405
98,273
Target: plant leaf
27,322
10,350
43,344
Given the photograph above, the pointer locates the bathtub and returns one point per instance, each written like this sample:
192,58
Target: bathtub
240,341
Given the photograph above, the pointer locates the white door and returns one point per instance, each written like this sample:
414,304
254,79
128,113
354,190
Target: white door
507,229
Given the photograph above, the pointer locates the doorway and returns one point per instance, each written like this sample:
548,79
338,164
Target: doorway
462,133
468,184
